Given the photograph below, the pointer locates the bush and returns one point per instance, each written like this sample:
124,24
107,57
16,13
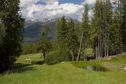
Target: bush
89,52
57,56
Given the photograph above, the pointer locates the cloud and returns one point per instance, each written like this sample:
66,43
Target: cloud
49,1
90,2
49,9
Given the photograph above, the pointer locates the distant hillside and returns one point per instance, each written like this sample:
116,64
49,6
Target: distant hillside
32,30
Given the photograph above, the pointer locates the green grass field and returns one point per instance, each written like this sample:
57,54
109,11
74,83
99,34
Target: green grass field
30,70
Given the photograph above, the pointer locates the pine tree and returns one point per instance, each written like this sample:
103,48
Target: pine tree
62,33
13,27
45,45
73,42
107,17
98,24
102,22
2,34
115,32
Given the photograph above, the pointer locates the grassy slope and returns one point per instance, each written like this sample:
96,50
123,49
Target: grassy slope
66,72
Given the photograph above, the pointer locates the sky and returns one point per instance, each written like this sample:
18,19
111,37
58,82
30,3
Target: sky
51,9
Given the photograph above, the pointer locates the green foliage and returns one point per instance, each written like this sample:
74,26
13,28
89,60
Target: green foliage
62,32
67,36
85,34
123,23
57,56
89,52
12,23
45,45
2,34
73,40
102,27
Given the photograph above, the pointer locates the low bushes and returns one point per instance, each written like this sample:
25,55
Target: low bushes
57,56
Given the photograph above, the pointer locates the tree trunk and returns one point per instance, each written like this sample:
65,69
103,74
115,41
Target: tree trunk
44,55
78,56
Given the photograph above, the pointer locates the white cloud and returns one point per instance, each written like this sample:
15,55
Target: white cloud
50,10
49,1
89,1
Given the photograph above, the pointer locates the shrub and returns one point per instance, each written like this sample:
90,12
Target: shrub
57,56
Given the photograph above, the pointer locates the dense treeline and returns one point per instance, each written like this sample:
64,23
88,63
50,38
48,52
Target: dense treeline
98,36
122,9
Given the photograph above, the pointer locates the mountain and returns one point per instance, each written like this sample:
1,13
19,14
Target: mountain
32,30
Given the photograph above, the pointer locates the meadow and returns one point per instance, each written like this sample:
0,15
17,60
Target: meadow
30,69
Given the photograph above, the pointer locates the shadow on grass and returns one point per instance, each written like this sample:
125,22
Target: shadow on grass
38,62
19,68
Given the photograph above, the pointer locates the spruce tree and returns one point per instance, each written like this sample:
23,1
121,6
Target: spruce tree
102,21
62,33
13,26
98,24
73,42
45,45
107,22
115,31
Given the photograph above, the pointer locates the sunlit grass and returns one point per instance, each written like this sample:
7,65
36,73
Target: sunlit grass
67,72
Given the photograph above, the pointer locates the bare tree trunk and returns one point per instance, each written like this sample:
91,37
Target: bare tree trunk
44,55
72,55
98,50
78,56
107,46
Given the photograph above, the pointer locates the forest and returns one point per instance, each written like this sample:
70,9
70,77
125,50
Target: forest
95,37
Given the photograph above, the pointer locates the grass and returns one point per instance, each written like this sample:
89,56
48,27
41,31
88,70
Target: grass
66,72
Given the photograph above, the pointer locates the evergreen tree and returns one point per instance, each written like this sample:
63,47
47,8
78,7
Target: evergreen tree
62,33
73,42
96,23
102,22
2,34
123,23
45,45
115,31
13,27
67,38
107,22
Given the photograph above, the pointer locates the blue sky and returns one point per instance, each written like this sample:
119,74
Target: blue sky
51,9
71,1
64,1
